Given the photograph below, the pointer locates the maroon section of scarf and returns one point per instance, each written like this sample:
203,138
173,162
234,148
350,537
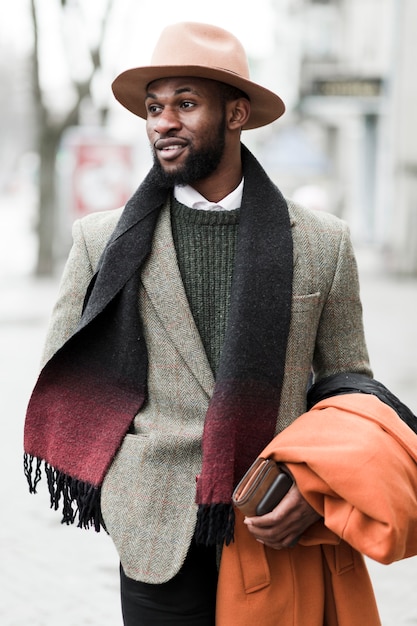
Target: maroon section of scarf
79,446
239,423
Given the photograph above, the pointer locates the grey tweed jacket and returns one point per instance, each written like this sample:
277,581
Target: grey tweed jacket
148,494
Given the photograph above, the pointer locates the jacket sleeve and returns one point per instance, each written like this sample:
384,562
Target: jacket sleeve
76,277
90,236
340,342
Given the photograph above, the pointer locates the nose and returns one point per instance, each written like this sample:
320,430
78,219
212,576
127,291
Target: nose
167,121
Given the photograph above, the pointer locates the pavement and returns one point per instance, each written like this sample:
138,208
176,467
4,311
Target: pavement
51,575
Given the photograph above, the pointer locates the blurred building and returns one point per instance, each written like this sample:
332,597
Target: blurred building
352,115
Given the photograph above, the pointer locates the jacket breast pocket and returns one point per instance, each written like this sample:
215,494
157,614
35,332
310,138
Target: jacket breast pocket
305,302
305,316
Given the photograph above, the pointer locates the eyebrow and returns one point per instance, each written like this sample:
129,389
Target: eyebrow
177,92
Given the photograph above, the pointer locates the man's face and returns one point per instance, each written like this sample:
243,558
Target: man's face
186,128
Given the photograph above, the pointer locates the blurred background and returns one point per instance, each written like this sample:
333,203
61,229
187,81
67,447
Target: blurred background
347,145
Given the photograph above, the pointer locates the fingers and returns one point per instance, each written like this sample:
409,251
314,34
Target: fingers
282,527
274,536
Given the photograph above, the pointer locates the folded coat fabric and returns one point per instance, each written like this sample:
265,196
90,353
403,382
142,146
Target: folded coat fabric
354,460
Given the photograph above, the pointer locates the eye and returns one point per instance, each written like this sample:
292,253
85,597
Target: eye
187,104
153,109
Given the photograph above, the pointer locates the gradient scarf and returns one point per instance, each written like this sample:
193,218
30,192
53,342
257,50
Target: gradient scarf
89,392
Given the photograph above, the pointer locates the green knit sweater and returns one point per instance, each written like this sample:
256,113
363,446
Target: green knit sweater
205,242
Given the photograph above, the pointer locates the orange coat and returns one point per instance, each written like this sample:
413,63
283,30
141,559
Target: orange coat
354,461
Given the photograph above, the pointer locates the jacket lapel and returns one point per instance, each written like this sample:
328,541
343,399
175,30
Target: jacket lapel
162,282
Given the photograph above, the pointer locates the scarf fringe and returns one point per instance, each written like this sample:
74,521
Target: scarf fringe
80,500
215,524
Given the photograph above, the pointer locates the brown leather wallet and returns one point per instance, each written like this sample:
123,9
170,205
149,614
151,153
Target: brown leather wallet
261,488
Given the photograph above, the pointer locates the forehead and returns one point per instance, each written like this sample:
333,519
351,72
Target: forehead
182,84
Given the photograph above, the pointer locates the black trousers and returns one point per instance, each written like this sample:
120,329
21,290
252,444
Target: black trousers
188,599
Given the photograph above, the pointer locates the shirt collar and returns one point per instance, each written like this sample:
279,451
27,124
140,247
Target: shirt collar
192,198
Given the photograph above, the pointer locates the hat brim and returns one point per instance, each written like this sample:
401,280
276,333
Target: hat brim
130,89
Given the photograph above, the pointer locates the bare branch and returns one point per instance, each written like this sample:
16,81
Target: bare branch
96,51
36,83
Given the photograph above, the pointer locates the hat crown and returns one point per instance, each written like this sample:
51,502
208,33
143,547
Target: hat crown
192,43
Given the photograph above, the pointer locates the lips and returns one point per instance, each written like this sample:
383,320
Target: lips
170,148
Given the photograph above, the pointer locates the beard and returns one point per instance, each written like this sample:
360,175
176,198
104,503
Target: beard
199,164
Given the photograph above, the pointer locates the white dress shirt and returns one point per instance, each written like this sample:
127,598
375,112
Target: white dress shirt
192,198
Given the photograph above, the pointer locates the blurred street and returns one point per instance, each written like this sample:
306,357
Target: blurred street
57,576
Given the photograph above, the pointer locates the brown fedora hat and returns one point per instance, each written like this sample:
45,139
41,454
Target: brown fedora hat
201,51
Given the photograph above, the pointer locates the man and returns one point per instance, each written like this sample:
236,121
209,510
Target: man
185,334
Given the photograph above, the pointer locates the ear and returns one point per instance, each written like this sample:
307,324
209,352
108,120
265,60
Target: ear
238,112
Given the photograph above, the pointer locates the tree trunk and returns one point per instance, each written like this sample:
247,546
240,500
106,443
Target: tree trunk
49,137
46,227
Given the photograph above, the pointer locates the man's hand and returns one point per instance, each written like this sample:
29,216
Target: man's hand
283,525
